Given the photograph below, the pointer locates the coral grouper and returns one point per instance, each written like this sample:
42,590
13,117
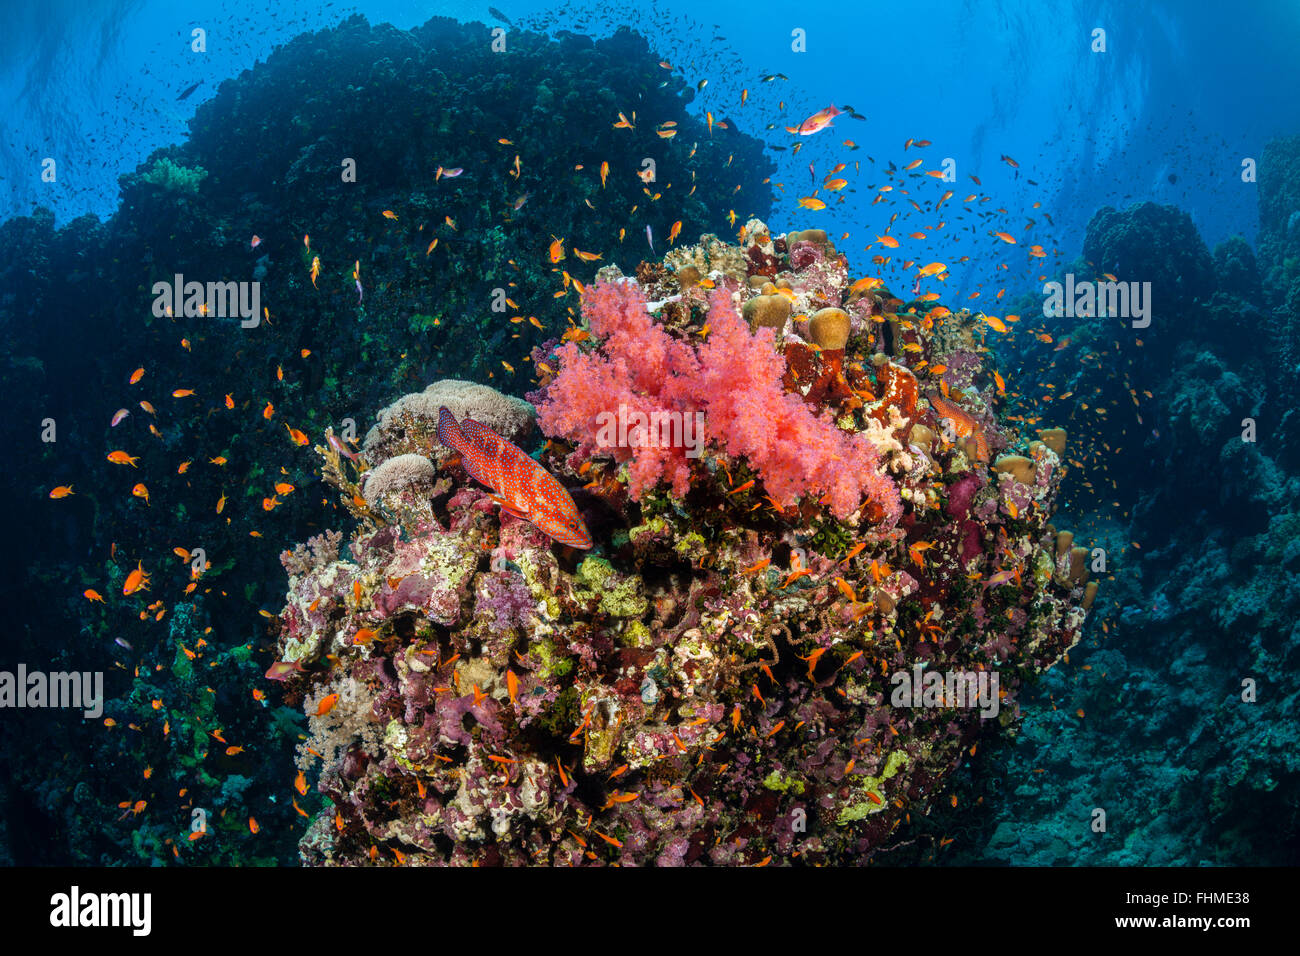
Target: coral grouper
524,488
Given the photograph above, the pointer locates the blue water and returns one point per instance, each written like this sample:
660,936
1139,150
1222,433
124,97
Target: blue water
1184,88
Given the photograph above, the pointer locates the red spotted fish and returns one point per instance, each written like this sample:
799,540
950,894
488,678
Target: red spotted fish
962,423
522,487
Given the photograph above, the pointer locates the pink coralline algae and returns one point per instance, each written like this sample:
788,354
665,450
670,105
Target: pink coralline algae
733,378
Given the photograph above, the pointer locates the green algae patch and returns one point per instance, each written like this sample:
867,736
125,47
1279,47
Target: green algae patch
636,634
552,665
783,783
618,596
654,526
862,805
541,591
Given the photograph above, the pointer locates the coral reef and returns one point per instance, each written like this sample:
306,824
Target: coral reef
718,680
1153,243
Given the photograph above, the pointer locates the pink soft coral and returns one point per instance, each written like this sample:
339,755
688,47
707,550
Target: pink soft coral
734,378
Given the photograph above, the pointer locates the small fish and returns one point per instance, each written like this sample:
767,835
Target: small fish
183,393
650,238
136,580
283,670
90,594
812,202
62,491
140,491
188,91
330,439
389,214
326,705
1000,578
122,458
816,123
136,376
315,270
254,242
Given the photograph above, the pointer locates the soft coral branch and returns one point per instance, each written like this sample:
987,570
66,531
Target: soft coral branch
734,377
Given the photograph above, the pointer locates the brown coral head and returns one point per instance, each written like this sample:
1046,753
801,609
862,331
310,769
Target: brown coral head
688,277
1078,565
922,437
1018,466
829,328
1064,541
767,312
1053,438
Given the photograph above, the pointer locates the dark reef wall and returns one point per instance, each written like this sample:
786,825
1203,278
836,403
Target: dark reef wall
1179,716
410,261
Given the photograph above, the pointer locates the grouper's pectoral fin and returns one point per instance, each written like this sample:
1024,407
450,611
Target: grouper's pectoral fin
507,508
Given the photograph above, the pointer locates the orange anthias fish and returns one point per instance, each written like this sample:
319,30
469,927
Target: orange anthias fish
523,487
815,123
136,580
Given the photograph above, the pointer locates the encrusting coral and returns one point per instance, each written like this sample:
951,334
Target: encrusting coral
719,680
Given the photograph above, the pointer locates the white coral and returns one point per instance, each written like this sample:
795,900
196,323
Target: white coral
396,474
511,418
